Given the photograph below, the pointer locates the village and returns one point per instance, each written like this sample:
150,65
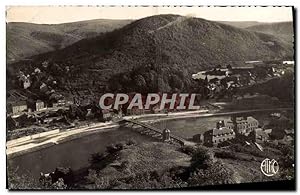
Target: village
247,130
150,98
28,116
222,82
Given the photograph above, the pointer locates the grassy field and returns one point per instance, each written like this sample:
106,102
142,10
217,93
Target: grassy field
146,157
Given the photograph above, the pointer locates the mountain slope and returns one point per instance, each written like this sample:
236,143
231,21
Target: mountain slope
27,39
191,42
241,24
283,30
159,53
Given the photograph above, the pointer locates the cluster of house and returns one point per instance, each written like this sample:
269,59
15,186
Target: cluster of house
28,112
28,106
219,78
227,79
34,79
239,75
19,108
227,130
24,80
18,103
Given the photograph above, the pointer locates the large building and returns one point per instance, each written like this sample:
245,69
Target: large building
105,115
259,136
218,135
16,107
242,125
39,105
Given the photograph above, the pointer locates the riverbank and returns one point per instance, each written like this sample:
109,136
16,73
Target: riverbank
16,148
36,142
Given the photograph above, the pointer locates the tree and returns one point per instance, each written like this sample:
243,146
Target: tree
202,158
16,181
175,82
140,83
59,185
98,181
218,173
229,67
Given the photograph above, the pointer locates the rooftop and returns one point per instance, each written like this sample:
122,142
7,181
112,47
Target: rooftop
260,132
221,131
18,103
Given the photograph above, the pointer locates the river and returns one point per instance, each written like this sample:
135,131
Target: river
75,153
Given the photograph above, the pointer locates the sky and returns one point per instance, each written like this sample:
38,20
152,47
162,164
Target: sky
64,14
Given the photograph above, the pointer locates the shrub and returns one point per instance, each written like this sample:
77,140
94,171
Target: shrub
189,150
130,142
225,154
59,185
202,158
249,150
125,165
96,158
92,176
114,148
288,157
216,174
21,182
97,181
150,180
65,173
120,146
111,149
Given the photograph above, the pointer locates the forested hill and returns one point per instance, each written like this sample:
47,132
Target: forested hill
283,30
158,53
28,39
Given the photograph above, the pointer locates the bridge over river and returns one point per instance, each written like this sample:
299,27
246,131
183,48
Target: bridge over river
156,131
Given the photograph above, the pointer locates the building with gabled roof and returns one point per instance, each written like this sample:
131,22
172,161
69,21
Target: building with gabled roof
16,107
218,135
242,125
258,136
